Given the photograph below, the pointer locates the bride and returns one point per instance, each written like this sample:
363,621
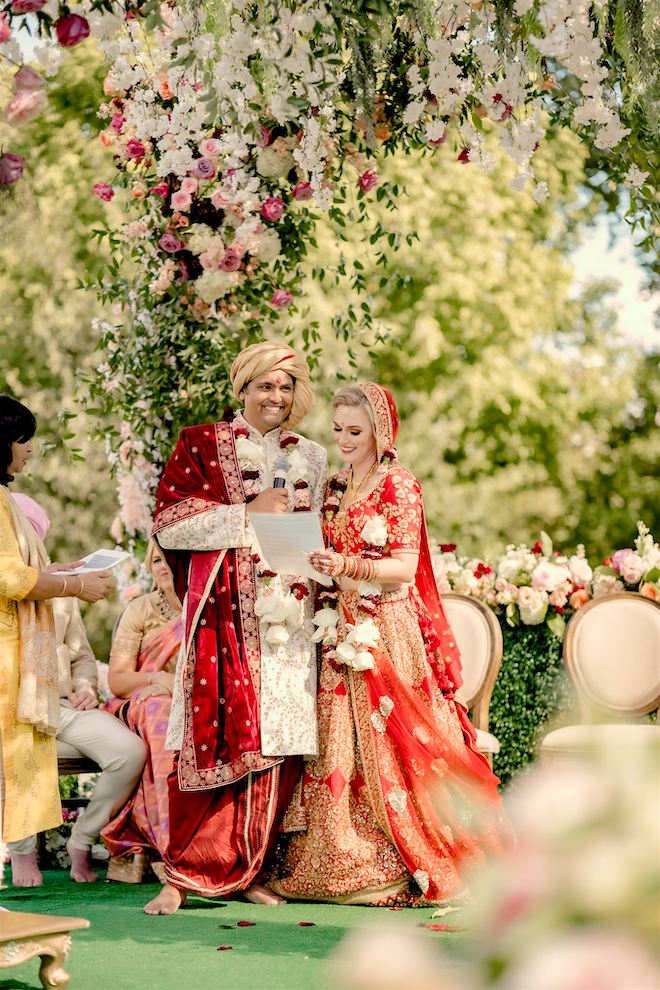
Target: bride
399,801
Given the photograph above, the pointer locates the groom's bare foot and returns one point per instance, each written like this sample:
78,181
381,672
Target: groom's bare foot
81,864
168,901
258,894
24,870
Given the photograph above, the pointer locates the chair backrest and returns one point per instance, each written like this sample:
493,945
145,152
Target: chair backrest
612,653
479,639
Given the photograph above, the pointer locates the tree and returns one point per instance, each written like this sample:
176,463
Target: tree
46,333
523,407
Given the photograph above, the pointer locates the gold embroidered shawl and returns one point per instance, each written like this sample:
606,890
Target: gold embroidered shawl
38,692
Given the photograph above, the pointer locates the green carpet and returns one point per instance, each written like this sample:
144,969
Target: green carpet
125,949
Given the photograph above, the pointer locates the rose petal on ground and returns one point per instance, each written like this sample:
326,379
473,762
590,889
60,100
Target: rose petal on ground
442,928
306,924
245,924
223,948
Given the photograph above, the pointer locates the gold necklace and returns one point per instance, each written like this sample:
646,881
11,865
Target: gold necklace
353,490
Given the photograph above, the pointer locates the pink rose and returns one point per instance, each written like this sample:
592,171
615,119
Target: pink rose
368,180
5,30
231,260
27,6
181,200
281,299
135,149
619,557
632,569
189,186
266,138
650,591
204,168
210,147
436,142
161,189
302,191
170,242
117,123
71,30
25,105
27,79
103,191
219,200
272,208
11,168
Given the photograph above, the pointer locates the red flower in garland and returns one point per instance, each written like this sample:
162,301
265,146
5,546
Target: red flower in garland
241,431
300,485
446,547
250,474
288,440
299,590
537,548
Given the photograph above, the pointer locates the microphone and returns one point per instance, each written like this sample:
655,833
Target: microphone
280,472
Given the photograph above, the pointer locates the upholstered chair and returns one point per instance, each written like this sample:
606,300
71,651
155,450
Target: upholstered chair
479,640
612,654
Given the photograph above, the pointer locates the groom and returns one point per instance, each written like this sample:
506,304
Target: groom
244,707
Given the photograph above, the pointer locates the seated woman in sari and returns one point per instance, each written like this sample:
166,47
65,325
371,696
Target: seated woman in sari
399,801
143,659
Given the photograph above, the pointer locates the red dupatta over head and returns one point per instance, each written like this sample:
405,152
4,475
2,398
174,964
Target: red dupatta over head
386,421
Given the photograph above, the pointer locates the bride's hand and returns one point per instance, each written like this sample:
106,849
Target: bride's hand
327,562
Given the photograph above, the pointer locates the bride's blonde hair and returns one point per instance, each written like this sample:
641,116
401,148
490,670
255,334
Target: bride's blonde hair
352,395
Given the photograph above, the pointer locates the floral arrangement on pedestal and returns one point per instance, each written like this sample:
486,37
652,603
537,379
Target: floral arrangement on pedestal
534,585
233,124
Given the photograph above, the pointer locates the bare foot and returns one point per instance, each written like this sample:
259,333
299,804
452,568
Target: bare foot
24,870
81,864
258,894
168,901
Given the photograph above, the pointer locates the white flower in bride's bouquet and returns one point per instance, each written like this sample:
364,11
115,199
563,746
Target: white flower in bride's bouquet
298,467
363,660
249,451
374,531
325,619
364,633
533,605
277,635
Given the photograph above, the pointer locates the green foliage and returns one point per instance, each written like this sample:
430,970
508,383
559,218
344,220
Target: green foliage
532,688
46,334
524,409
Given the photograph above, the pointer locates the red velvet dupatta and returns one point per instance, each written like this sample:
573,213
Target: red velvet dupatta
221,669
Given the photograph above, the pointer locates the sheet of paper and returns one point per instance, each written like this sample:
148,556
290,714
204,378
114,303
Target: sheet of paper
286,538
99,560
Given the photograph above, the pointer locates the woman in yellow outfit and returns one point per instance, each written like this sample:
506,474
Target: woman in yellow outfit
29,689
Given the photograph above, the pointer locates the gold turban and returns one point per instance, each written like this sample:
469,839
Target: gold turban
258,359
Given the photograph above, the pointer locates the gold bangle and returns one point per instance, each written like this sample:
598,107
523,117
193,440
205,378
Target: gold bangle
82,586
64,592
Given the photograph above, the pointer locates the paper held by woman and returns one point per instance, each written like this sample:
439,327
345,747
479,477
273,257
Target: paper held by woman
285,539
98,560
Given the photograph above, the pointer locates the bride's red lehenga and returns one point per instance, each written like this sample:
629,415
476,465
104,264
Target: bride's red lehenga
399,802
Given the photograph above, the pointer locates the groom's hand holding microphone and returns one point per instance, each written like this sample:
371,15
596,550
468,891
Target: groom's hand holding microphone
273,499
